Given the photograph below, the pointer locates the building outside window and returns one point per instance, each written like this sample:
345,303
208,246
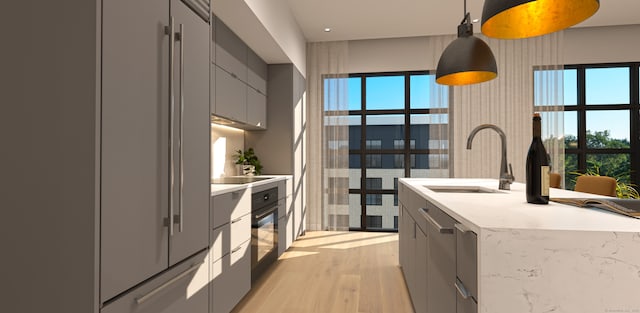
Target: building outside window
602,121
387,111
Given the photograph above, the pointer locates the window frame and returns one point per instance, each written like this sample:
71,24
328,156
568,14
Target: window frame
581,108
408,152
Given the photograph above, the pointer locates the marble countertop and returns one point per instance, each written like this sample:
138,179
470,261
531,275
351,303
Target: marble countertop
544,258
218,189
508,209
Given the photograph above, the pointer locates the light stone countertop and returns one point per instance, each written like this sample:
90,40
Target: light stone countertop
218,189
544,258
509,208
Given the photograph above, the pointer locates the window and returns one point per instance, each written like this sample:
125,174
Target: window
397,128
601,115
374,221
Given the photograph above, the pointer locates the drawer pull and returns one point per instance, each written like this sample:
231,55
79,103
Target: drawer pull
462,228
236,249
442,230
153,292
462,290
236,220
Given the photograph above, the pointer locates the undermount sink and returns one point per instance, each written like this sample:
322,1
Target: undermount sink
462,189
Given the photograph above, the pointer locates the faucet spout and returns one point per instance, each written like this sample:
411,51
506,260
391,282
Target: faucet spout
506,176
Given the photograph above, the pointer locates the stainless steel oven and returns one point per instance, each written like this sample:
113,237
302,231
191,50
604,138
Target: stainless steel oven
264,231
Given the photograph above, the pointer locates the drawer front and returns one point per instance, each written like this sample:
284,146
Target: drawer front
220,242
466,260
183,288
240,230
231,279
230,205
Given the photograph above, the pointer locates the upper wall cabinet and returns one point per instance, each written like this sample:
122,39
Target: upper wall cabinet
231,52
240,80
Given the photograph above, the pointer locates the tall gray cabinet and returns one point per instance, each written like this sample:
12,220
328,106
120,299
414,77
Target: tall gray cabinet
104,218
282,146
154,140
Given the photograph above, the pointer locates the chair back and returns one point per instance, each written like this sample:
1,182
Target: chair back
600,185
554,180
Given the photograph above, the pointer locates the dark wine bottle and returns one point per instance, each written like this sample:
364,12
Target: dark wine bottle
537,167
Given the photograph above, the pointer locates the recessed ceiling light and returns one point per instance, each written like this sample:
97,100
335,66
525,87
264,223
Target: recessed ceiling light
327,29
475,20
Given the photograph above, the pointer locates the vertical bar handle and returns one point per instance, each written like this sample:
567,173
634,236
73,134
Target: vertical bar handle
181,210
464,293
170,30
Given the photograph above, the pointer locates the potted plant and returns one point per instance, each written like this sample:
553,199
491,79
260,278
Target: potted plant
248,163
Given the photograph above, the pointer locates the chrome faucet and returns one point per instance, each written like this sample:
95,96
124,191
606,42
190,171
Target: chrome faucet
506,177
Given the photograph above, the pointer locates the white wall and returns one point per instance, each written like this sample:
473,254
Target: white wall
225,141
602,44
581,45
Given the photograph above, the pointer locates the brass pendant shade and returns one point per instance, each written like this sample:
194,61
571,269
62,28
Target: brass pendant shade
467,60
514,19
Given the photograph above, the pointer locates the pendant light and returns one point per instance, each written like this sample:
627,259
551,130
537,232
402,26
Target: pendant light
467,60
514,19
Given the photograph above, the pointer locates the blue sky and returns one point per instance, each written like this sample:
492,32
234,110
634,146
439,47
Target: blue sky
603,86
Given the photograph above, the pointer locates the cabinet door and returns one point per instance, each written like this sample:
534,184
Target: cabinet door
231,279
134,163
231,96
231,51
256,108
408,267
181,289
441,263
419,297
257,74
191,144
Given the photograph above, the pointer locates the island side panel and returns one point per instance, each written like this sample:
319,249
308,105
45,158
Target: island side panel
558,271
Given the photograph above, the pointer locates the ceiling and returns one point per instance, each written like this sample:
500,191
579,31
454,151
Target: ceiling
370,19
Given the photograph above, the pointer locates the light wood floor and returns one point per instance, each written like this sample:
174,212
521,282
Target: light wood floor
333,272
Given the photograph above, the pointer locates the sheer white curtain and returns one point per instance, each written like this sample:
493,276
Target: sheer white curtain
328,136
508,102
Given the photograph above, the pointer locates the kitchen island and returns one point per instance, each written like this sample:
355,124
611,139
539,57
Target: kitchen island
534,258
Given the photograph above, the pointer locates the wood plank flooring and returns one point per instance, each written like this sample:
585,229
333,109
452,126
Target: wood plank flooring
333,272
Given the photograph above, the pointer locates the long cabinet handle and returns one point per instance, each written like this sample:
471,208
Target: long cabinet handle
261,215
170,30
168,283
236,249
462,290
181,144
442,230
236,220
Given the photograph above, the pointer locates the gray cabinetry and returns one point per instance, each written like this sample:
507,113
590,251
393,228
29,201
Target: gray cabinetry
256,108
154,206
230,249
441,263
241,80
438,256
181,289
231,51
286,117
466,270
414,245
230,96
135,125
286,232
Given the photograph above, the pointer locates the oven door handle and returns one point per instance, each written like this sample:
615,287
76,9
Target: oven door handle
269,211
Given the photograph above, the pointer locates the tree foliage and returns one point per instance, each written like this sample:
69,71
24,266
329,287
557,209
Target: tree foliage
616,165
